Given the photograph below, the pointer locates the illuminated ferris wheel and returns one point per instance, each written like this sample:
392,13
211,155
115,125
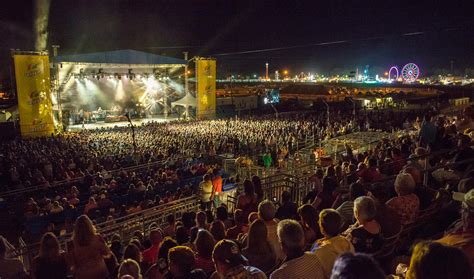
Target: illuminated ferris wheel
410,72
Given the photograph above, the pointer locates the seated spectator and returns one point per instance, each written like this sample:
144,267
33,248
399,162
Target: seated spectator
332,245
231,264
150,254
182,236
10,268
56,208
371,173
356,266
90,206
132,252
233,232
326,197
204,244
50,263
288,208
170,229
309,222
298,264
366,233
346,209
217,230
406,204
181,264
462,237
223,215
88,251
387,217
161,267
131,268
425,263
258,249
201,220
266,212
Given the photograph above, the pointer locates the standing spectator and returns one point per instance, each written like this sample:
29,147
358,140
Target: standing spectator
223,215
288,208
257,185
204,245
231,264
50,263
248,201
332,245
87,251
428,132
267,160
326,197
298,264
159,269
366,233
406,204
258,249
207,192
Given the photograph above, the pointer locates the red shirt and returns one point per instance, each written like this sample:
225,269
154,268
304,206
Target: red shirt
150,255
217,183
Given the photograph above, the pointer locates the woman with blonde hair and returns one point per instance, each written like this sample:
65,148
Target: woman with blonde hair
51,262
131,268
87,251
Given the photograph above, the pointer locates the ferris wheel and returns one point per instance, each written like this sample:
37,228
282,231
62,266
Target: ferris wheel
410,72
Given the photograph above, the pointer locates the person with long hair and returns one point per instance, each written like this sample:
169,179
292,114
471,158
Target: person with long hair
248,201
87,251
204,245
257,185
309,222
258,249
217,230
50,262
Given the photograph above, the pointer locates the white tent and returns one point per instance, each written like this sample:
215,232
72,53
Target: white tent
187,101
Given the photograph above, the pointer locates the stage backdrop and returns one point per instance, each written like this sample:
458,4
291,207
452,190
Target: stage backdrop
34,95
206,88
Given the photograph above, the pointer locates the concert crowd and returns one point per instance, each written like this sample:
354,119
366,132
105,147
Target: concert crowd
388,211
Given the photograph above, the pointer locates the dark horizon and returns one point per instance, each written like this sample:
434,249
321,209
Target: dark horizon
379,34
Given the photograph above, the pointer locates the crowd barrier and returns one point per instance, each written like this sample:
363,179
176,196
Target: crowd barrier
123,226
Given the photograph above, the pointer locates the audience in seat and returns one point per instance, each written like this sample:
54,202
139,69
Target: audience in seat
366,233
150,254
356,266
231,264
181,264
332,245
288,208
309,221
298,263
346,209
204,244
387,217
433,260
258,249
129,268
161,266
240,226
266,212
326,197
248,201
462,236
407,203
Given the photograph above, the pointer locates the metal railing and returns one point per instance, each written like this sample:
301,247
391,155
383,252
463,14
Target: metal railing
123,226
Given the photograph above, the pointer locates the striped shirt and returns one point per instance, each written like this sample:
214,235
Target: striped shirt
304,267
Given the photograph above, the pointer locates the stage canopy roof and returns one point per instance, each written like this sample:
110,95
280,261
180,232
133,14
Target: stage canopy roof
126,56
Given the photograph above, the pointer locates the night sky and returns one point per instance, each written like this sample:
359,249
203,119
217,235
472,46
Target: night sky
372,32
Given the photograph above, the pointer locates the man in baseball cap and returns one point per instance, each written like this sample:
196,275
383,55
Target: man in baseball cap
231,264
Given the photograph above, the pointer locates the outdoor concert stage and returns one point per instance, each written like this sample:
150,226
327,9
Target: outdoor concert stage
136,122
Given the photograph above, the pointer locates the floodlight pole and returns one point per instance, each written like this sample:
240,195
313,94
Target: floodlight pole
56,86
